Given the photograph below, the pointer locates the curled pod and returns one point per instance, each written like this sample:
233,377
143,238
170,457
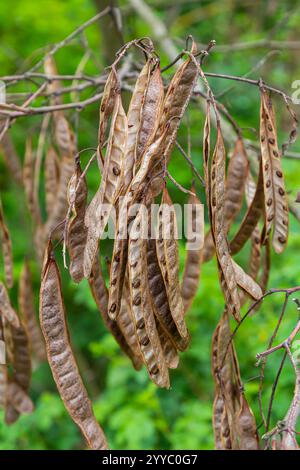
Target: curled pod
61,358
246,282
19,399
76,231
110,93
167,254
28,315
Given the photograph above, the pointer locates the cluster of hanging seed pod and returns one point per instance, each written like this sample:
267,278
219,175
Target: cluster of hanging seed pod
145,304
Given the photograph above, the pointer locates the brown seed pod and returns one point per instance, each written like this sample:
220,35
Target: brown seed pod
167,254
61,358
142,310
6,310
237,172
11,157
3,368
6,249
28,180
176,100
11,414
250,219
276,206
21,357
169,351
149,113
76,231
192,266
248,438
217,198
121,331
51,178
135,121
98,212
110,93
28,315
21,402
246,282
53,85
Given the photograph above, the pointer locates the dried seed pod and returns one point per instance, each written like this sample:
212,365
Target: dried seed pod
167,254
237,172
53,84
6,249
21,402
110,94
121,331
169,351
217,198
176,100
51,178
135,121
276,206
143,314
11,414
11,157
248,438
250,219
61,358
54,223
149,113
209,247
160,299
76,231
21,357
3,385
192,266
28,179
28,315
246,282
98,212
6,310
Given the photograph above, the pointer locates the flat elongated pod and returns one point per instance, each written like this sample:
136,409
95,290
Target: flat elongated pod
77,232
57,216
160,299
142,310
19,399
3,385
11,157
110,93
169,351
6,310
11,414
237,172
276,206
248,438
60,356
28,315
250,219
176,100
51,178
135,121
209,247
192,266
149,112
28,179
100,294
217,198
246,282
21,357
6,249
53,85
100,207
167,254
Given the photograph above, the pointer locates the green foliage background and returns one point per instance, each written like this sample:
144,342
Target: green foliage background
134,414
